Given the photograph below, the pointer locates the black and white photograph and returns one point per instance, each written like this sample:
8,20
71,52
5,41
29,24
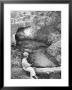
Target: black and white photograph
36,44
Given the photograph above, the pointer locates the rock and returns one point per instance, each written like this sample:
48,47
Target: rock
54,37
55,48
41,60
58,58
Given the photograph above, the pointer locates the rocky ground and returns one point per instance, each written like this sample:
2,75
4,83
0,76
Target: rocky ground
44,20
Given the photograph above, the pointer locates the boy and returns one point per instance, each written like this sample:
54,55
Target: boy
27,66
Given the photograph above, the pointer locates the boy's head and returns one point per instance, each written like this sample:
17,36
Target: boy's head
25,54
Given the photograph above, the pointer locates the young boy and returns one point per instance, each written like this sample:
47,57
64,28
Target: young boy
27,66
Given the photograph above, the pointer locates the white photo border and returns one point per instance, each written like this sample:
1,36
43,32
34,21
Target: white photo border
64,8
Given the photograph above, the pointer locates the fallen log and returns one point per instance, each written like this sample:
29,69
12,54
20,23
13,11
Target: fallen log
47,70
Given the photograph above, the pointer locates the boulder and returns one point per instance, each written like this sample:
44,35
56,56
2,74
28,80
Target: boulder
55,48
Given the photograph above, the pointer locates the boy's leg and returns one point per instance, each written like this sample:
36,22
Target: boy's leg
32,72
